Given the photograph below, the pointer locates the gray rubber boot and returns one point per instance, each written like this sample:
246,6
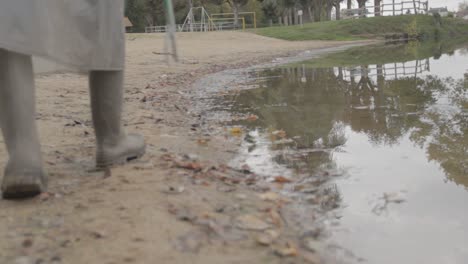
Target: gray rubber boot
114,146
24,176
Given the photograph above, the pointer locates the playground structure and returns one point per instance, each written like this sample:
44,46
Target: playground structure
207,22
392,9
230,17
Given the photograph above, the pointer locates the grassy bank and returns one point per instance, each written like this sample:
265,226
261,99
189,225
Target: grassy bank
383,54
421,26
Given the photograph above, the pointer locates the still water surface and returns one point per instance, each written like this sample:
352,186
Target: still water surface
381,130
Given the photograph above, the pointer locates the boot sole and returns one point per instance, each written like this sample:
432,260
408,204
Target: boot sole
22,191
23,185
121,160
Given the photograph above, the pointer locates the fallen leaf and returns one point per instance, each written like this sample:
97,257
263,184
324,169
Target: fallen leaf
252,118
288,251
281,179
203,142
279,133
190,166
236,131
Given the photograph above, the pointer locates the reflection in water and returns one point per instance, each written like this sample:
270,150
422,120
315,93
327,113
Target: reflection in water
431,109
384,123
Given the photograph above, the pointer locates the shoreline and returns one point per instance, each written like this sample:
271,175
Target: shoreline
180,203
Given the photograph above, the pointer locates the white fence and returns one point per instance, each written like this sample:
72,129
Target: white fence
389,71
389,9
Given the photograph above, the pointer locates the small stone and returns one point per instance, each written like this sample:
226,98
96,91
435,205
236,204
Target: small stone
269,196
251,222
27,243
267,238
173,190
241,196
97,234
23,260
311,258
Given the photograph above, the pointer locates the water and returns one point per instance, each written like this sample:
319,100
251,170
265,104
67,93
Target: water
377,142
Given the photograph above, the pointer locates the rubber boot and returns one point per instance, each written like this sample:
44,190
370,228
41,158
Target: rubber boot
114,146
24,176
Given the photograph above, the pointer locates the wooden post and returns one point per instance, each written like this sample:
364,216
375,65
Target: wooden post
393,4
414,5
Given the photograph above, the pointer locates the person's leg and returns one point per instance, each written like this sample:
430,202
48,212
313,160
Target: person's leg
24,175
114,146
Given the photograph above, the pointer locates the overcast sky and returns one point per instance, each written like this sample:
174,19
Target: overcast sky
452,5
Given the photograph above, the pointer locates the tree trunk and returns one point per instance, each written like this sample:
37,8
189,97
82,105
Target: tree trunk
235,10
296,17
362,5
318,12
415,9
311,14
329,11
338,10
290,19
377,8
279,20
270,22
349,4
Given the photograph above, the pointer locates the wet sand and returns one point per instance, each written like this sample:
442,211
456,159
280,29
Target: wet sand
180,203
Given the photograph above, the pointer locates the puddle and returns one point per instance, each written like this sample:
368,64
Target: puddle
376,140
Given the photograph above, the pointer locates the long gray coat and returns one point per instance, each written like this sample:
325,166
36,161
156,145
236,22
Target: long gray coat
83,34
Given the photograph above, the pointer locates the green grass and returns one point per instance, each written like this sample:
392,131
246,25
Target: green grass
383,54
370,28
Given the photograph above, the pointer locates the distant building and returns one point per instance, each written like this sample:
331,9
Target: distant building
463,14
443,11
128,24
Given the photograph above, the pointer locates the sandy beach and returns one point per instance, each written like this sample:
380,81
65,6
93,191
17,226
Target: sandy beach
179,203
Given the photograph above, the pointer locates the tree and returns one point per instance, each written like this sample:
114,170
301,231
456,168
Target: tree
270,8
236,5
463,6
377,7
135,11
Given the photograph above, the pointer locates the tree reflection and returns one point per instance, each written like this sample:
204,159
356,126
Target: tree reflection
314,105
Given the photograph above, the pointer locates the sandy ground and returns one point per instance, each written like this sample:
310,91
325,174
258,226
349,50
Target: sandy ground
167,207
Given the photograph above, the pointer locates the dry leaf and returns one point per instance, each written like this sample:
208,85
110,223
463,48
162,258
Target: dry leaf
236,131
279,133
203,142
190,166
281,179
288,251
275,218
252,118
